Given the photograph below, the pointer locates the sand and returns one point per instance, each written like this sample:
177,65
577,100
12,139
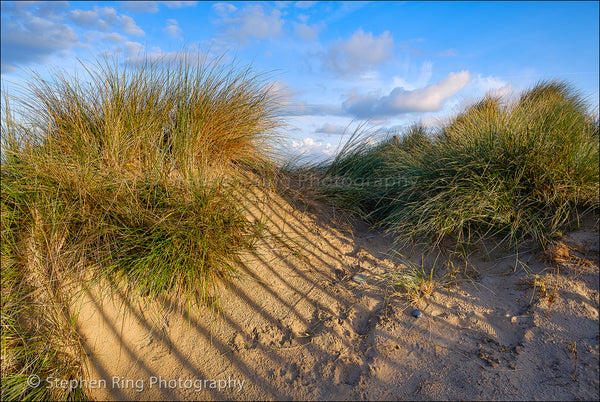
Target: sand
295,325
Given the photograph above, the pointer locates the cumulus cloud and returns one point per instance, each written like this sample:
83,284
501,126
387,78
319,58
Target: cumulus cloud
252,22
312,149
84,17
224,9
172,29
114,37
362,51
28,37
42,9
129,26
97,37
400,100
105,19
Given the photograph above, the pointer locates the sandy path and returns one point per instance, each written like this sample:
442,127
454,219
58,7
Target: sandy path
295,326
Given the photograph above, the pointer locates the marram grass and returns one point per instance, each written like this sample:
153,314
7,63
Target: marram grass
513,170
130,177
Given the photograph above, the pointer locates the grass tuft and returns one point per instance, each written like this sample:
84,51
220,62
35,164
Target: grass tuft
516,170
132,177
417,284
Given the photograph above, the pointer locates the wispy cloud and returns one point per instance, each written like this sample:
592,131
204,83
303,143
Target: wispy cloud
416,77
330,129
249,22
490,84
302,108
447,53
361,52
340,10
172,29
400,100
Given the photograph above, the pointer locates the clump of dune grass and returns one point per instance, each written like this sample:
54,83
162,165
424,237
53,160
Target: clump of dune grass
131,177
38,337
512,170
416,283
362,179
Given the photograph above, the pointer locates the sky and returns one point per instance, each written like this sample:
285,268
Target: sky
335,64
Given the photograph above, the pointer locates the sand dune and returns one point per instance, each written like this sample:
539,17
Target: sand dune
296,326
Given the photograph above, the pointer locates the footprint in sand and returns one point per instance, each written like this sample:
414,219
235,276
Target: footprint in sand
501,326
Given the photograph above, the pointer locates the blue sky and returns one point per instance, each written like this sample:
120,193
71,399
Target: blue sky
335,63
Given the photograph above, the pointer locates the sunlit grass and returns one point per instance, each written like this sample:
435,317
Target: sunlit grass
513,170
130,177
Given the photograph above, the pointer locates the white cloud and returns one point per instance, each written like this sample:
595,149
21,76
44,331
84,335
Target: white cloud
312,149
133,49
97,37
28,36
83,17
105,19
362,51
422,78
491,85
129,26
114,37
400,100
172,29
51,9
224,9
253,22
431,122
307,32
42,9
